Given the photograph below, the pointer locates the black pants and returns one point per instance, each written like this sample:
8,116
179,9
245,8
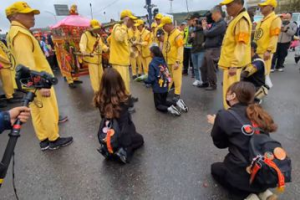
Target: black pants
187,61
280,55
161,103
236,181
137,141
209,66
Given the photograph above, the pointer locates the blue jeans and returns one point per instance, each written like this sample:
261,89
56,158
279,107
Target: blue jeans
197,59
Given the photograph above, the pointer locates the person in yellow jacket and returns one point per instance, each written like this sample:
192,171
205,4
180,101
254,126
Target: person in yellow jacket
26,51
173,53
135,57
6,77
236,47
92,46
153,31
119,56
145,42
267,33
157,19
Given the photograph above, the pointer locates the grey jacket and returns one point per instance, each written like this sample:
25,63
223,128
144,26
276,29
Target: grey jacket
214,35
287,36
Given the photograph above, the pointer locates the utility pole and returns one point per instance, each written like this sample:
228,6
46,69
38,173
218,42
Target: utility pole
149,7
91,11
171,6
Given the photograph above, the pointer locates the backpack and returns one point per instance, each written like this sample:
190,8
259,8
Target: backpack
109,134
268,162
164,77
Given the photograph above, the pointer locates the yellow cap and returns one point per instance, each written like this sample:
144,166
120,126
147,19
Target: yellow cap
272,3
226,2
127,13
139,22
153,25
20,7
164,21
159,16
95,24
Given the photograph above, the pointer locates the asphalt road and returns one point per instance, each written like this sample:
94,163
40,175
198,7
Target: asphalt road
173,164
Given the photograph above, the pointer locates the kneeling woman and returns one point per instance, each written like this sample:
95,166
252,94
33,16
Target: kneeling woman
113,103
227,133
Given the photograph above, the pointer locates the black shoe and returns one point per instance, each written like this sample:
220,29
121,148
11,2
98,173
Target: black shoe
134,99
62,119
13,101
210,88
185,74
44,145
103,152
134,77
203,85
72,85
122,155
60,142
131,110
78,82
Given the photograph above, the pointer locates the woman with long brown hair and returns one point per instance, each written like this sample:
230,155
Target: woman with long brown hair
113,102
227,133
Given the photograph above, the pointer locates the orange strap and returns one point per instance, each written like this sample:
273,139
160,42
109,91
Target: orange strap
254,171
108,140
281,179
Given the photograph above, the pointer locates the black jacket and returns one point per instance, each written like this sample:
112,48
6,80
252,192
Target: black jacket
226,133
197,41
5,123
214,36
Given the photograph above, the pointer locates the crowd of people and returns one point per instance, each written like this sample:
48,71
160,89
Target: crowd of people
160,56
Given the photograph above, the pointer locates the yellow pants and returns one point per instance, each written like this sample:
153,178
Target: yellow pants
124,72
96,72
176,78
146,61
268,63
136,65
13,78
228,81
7,82
44,112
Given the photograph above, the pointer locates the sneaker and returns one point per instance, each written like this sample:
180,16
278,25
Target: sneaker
122,155
134,99
252,197
280,69
210,88
196,83
267,195
78,82
131,110
134,77
72,86
180,103
272,70
62,119
60,142
44,145
174,111
203,85
175,98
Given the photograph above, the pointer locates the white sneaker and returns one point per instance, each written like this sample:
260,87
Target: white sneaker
180,103
196,83
272,70
267,195
280,69
174,111
252,197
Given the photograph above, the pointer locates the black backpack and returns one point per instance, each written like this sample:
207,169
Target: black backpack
109,134
268,162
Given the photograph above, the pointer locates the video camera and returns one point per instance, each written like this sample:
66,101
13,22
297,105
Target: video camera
30,79
207,16
25,79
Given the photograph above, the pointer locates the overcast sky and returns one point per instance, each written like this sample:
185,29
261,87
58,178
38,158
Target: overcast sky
104,10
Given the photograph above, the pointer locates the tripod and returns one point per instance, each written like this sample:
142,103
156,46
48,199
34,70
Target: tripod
13,138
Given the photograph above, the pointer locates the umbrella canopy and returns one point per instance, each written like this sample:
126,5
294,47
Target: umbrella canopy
72,20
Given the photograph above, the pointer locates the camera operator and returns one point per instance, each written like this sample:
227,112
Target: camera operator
7,119
288,30
197,40
26,51
213,42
